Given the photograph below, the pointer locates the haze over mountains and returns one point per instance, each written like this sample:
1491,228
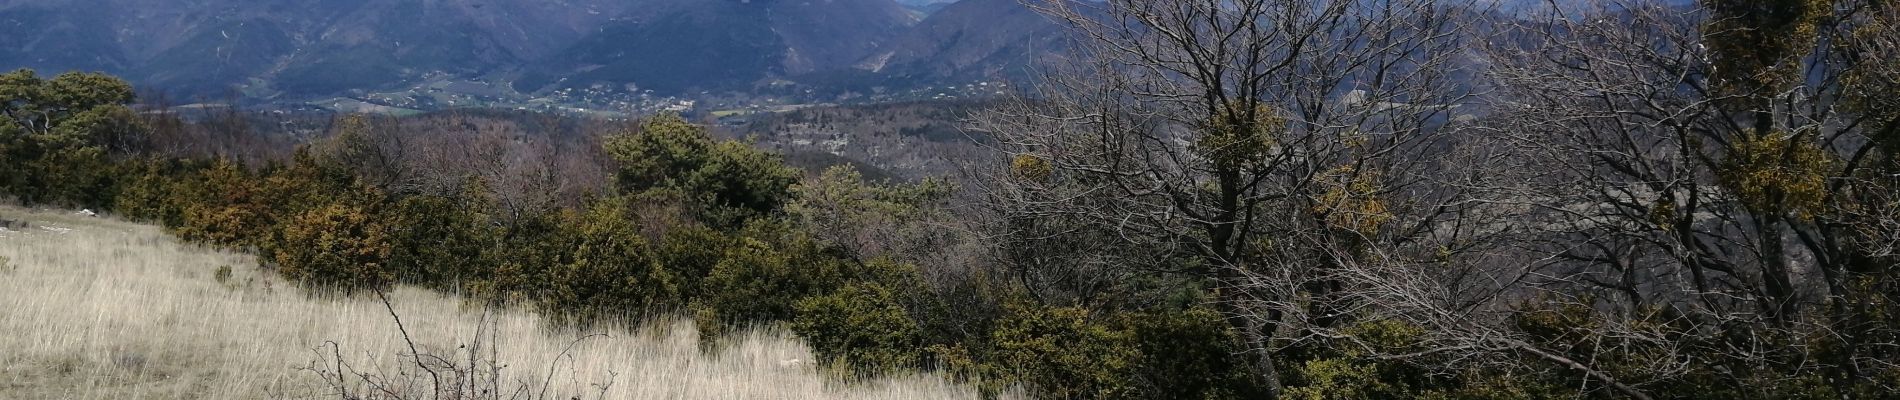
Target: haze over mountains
288,49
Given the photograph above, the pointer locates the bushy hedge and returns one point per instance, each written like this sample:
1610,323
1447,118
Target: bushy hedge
339,246
863,327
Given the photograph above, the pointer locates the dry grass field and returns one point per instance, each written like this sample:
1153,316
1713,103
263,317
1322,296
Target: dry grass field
92,308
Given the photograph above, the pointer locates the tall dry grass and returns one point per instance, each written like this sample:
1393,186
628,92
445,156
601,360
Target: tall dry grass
92,308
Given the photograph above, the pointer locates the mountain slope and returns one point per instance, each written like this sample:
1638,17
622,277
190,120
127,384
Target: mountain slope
54,39
300,49
685,44
302,46
971,40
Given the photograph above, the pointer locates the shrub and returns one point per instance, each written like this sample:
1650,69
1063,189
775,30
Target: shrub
732,181
769,267
1350,369
759,281
223,206
1060,353
862,328
337,246
224,276
612,273
691,253
440,241
1189,354
527,249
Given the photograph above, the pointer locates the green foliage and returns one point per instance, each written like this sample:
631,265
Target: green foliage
612,273
1060,353
441,241
1189,354
1235,139
869,220
1576,331
691,252
1031,167
147,192
1334,378
339,246
863,327
1351,201
57,136
1066,353
731,181
224,276
1350,368
527,250
1775,173
1757,45
765,272
222,205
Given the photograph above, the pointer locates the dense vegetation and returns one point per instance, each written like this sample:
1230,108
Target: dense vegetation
687,224
1237,238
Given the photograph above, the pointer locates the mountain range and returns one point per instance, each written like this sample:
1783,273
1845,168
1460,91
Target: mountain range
290,49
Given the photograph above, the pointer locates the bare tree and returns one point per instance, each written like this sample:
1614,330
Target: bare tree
1695,165
1273,150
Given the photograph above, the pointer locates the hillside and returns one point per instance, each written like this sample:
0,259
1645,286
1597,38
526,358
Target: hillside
906,141
268,49
98,308
679,45
971,40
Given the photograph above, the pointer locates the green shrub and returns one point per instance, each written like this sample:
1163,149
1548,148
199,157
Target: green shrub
1342,369
334,247
691,253
1068,353
1189,354
862,328
147,193
225,276
757,281
1340,378
769,267
441,242
732,181
612,273
223,205
1061,353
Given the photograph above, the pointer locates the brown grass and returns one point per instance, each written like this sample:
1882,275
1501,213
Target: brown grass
92,308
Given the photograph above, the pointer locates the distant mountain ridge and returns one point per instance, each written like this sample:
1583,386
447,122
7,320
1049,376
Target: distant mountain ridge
310,48
683,44
970,40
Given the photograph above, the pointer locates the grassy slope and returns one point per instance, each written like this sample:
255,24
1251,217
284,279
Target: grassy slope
113,310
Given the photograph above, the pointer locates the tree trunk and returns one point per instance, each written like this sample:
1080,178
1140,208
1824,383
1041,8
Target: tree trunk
1256,335
1774,269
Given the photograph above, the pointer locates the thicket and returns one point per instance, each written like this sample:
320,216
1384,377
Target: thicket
688,224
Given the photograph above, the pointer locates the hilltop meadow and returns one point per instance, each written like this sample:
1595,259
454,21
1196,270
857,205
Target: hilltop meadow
104,309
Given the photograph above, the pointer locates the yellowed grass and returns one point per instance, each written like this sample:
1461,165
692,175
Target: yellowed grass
92,308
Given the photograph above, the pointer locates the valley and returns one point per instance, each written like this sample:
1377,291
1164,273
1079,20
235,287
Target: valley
579,56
